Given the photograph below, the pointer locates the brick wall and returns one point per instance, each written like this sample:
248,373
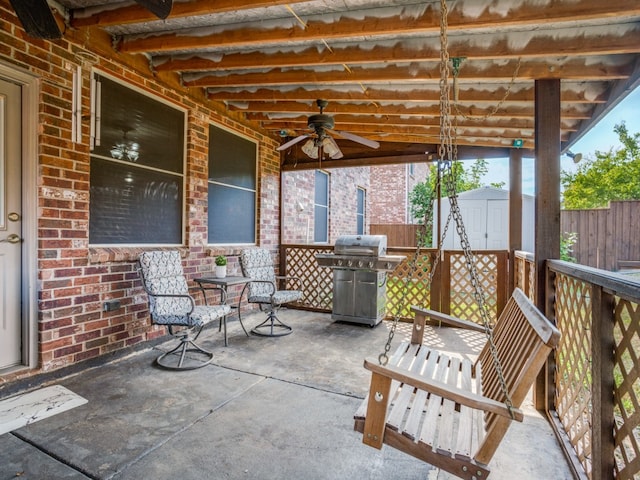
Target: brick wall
74,280
343,198
298,203
390,186
297,206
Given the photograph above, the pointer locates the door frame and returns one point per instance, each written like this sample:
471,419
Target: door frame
30,86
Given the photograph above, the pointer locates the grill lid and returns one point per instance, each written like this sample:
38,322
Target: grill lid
365,245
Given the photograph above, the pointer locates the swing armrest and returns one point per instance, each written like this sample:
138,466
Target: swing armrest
449,392
442,318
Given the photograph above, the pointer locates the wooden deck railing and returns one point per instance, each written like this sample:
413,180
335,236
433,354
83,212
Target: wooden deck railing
597,366
595,405
451,291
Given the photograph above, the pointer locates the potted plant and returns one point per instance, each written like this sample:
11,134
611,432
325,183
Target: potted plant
221,266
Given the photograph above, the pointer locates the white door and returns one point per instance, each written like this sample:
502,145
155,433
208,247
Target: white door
473,222
11,251
497,225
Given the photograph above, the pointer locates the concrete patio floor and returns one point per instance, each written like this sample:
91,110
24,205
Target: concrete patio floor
265,408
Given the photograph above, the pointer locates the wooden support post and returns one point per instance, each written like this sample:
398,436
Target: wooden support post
602,365
547,200
435,290
515,212
445,294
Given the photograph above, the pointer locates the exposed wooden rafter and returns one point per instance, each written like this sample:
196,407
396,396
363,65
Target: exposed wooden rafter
378,66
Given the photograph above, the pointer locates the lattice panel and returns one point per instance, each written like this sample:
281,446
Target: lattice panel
626,374
462,300
532,280
573,364
418,289
318,281
519,274
525,273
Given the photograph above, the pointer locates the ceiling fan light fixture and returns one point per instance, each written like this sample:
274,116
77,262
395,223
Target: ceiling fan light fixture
126,151
329,146
310,148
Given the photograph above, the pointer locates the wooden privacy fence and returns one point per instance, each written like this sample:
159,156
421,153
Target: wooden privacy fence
596,379
451,291
398,235
606,236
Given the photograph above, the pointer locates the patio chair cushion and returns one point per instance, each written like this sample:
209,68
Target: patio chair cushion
163,275
278,298
258,264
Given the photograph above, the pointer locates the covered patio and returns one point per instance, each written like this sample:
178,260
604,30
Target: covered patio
527,78
266,408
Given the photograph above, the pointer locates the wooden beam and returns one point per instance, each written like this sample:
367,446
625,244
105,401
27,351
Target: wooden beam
418,152
588,68
317,29
356,162
515,210
571,93
550,44
509,111
547,202
416,128
300,121
419,129
128,14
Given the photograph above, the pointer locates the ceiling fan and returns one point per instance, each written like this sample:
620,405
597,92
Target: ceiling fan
319,139
38,20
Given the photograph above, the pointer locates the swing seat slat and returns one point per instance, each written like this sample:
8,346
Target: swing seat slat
457,406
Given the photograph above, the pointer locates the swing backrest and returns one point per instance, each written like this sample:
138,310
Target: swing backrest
523,338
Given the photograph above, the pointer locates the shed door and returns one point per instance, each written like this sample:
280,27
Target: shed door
474,214
497,225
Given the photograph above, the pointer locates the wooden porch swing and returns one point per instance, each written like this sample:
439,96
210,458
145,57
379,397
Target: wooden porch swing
453,413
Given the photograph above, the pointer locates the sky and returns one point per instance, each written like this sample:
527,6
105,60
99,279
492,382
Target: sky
600,138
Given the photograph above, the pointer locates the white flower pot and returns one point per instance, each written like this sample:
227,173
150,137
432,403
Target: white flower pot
221,271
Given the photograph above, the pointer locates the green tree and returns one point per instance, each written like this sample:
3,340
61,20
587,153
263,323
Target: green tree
612,175
423,195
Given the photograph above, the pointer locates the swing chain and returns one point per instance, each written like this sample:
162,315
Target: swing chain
383,358
447,147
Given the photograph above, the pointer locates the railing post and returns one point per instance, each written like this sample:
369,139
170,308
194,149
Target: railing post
504,287
445,276
602,388
544,388
435,289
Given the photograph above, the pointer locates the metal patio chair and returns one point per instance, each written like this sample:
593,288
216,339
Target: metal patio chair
257,264
170,304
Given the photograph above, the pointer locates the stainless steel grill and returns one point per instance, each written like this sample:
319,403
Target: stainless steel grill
360,265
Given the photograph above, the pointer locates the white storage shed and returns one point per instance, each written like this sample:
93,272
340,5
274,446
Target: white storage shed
485,215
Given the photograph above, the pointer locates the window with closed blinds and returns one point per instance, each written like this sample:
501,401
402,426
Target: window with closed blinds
137,168
232,187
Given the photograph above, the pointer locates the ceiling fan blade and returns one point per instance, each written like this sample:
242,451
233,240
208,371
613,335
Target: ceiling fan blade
357,138
290,143
160,8
37,18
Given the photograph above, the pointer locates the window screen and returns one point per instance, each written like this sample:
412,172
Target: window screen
136,172
232,187
321,208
